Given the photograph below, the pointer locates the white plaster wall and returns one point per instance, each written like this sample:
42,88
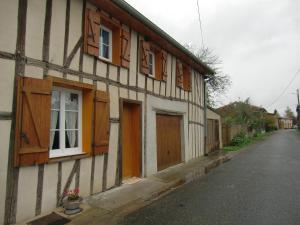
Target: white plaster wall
133,59
85,176
123,76
34,72
49,187
114,101
36,11
88,63
4,148
156,86
57,34
169,77
112,155
101,69
7,74
8,30
98,174
75,30
154,105
113,72
67,167
27,186
212,115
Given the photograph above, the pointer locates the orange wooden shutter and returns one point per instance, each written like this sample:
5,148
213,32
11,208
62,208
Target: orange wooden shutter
32,121
101,123
179,74
144,57
187,78
164,65
92,32
125,45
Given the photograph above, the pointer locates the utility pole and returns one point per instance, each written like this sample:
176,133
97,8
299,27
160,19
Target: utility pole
298,109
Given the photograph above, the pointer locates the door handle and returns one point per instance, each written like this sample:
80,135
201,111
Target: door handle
24,137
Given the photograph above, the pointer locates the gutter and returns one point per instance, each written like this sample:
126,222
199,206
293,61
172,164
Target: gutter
136,14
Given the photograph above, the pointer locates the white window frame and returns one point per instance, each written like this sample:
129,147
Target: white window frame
63,151
153,64
109,44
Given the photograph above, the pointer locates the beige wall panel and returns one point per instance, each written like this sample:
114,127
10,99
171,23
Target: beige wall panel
57,35
8,31
36,11
27,186
85,176
72,77
34,72
178,92
4,149
169,71
98,173
123,93
75,23
75,61
66,170
163,88
55,73
141,81
113,72
141,97
112,155
101,86
101,69
7,74
182,92
49,187
133,59
88,63
149,84
114,101
123,76
87,81
186,95
190,142
132,95
156,87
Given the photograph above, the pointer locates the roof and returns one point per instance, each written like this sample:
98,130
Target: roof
150,25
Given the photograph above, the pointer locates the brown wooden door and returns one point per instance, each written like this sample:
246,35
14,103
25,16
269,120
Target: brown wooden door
168,135
213,141
131,139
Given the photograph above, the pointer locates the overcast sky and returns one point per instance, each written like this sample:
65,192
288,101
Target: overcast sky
257,40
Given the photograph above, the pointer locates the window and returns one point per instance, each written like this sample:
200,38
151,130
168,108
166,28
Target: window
105,43
66,122
151,64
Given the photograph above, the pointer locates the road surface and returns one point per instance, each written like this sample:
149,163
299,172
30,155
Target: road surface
258,187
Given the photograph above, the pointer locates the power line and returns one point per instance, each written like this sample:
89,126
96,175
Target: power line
294,77
200,24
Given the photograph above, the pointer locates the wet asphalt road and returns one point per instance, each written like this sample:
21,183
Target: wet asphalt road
258,187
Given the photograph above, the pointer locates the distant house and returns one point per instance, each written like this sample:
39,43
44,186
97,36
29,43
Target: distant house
214,130
285,123
272,121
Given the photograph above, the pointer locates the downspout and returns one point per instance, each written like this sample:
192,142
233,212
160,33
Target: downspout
205,118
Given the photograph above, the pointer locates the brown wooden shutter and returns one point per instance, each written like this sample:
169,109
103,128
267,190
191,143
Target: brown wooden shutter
179,74
164,65
92,32
188,79
101,123
32,121
125,48
144,57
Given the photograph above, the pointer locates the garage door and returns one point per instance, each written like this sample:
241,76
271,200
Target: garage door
168,134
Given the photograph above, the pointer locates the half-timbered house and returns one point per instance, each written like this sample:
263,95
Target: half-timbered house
91,93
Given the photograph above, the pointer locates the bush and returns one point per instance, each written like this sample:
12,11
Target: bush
240,139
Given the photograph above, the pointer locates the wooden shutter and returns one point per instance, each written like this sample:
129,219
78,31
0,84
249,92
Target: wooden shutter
101,123
187,78
125,48
32,121
179,74
164,56
144,57
92,32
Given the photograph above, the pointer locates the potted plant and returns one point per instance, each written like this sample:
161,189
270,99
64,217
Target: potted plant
71,202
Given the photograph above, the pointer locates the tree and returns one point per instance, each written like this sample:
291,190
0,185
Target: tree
289,113
218,84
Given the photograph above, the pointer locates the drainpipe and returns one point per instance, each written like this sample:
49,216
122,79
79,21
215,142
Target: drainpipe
205,118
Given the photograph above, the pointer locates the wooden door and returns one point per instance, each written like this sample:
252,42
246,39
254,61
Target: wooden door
131,140
213,141
168,135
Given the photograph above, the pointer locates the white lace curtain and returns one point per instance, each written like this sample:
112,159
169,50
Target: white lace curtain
54,121
71,123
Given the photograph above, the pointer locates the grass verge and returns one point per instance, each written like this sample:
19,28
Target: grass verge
246,141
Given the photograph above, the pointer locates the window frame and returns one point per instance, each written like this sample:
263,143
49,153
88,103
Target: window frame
110,46
63,151
153,74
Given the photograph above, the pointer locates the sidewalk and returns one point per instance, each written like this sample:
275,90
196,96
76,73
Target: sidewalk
109,207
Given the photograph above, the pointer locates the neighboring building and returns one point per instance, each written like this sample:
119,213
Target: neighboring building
272,121
91,93
285,123
214,131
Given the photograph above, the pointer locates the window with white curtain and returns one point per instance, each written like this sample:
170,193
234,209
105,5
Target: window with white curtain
66,122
